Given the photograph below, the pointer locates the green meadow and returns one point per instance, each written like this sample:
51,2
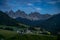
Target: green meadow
13,35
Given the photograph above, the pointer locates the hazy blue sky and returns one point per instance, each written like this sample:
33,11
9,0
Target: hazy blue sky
42,6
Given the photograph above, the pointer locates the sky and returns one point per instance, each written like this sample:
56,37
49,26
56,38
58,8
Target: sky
41,6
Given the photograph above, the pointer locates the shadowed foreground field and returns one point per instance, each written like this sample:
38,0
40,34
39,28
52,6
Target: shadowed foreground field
11,35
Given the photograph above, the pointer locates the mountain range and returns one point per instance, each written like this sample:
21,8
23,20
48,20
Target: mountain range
51,24
31,16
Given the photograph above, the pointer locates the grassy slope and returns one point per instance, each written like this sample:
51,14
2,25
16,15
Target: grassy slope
7,34
11,35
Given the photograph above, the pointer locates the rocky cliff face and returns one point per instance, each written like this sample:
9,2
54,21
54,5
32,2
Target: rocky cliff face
31,16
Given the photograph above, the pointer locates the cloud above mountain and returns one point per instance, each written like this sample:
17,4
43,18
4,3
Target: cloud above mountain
48,6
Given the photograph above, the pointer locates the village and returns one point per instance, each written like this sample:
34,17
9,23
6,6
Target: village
33,30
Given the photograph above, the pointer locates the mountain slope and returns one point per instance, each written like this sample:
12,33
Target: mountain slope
52,24
6,20
29,22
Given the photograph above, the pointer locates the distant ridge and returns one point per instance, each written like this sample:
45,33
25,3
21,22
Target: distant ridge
31,16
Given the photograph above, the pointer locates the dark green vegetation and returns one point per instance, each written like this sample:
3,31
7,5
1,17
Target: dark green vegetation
52,24
29,22
12,35
6,20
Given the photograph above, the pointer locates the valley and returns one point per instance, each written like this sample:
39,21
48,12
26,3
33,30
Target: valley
22,27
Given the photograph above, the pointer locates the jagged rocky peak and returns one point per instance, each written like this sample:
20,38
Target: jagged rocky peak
20,13
11,11
38,16
47,15
35,14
